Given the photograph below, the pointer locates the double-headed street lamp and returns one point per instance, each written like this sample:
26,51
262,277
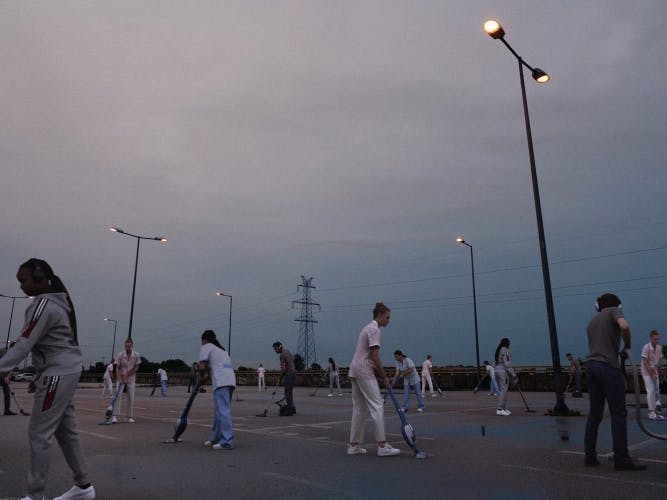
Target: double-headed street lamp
136,263
11,314
474,302
113,345
229,334
493,28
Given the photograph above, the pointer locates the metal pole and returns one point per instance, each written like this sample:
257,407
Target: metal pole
134,287
474,307
561,407
229,335
9,329
113,345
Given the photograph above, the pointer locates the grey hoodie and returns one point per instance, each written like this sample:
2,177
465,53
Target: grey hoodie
48,334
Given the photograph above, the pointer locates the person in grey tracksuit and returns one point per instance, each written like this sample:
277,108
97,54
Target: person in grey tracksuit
504,371
50,333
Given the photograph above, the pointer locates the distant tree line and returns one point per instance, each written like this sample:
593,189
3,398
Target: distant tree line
170,365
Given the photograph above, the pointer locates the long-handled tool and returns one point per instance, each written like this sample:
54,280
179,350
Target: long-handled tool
182,421
406,429
19,406
474,391
317,388
569,383
273,395
525,403
437,388
112,405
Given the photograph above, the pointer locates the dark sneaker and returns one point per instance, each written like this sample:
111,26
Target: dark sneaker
627,464
591,461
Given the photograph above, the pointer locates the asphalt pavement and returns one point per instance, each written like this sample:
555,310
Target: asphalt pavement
471,452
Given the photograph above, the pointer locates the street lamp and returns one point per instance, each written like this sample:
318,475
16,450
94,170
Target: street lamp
474,301
493,28
113,345
229,335
11,314
136,263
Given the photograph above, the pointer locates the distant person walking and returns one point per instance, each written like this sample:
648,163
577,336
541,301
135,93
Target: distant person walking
575,371
494,390
606,382
163,381
332,370
50,333
405,369
215,362
651,362
365,366
504,371
427,366
261,382
107,380
288,372
127,365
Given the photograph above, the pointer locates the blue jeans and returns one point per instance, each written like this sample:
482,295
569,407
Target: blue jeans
494,389
223,433
290,379
163,383
417,390
606,383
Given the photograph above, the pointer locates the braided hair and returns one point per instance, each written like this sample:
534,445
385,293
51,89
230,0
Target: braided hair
40,271
209,336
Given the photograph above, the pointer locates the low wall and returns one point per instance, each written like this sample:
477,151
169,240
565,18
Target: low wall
531,378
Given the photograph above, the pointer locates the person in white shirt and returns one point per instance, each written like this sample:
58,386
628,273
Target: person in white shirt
107,380
127,365
427,365
405,368
163,381
215,362
332,371
366,399
261,384
494,390
651,362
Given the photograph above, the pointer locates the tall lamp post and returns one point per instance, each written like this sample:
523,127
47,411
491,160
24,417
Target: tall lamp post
11,314
136,263
461,241
493,28
113,345
229,334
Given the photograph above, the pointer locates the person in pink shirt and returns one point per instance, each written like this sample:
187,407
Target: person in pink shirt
366,399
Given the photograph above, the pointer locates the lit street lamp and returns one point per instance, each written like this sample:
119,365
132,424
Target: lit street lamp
136,263
229,334
496,32
113,345
474,301
11,314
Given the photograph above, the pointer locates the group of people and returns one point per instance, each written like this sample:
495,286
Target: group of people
50,330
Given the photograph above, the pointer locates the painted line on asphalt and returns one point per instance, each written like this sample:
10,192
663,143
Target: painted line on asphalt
96,434
583,475
610,456
312,484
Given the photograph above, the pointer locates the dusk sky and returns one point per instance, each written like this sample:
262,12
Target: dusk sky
350,141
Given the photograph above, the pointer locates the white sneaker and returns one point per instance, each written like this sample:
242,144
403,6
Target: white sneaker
207,443
113,420
508,412
654,416
356,450
31,498
130,420
330,395
76,493
503,413
433,395
419,410
387,451
340,393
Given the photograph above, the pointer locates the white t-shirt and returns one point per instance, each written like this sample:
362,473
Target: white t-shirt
411,378
219,365
260,371
361,365
490,371
426,368
162,374
125,363
652,356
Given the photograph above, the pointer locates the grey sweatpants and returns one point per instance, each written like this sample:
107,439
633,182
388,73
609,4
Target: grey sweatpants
53,415
503,384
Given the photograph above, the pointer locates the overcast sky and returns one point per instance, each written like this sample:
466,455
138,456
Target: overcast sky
350,141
